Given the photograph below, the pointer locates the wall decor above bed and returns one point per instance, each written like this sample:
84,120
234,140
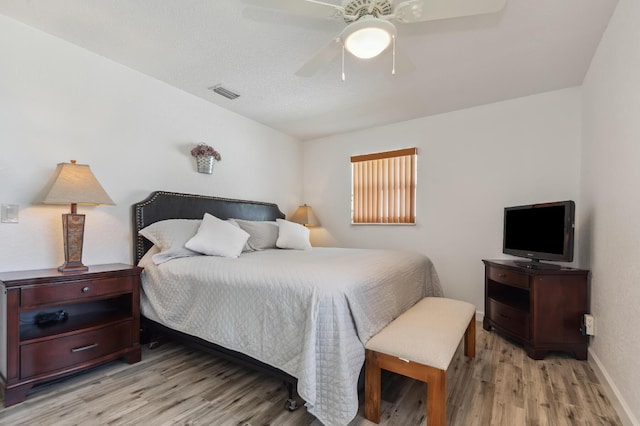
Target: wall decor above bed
206,156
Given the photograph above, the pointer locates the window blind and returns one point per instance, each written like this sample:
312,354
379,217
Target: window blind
384,187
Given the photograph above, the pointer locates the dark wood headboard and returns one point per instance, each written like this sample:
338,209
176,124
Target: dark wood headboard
162,205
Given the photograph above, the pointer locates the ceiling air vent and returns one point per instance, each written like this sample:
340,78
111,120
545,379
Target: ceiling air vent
224,92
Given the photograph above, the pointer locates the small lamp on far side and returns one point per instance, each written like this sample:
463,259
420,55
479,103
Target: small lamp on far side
304,215
73,184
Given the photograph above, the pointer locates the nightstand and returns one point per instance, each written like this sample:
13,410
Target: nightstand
102,323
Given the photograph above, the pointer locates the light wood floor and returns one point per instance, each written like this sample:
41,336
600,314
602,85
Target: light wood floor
174,385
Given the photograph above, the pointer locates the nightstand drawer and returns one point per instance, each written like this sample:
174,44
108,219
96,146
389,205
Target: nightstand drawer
55,354
505,276
32,297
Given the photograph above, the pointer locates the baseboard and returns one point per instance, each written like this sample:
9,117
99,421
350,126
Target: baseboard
479,316
618,402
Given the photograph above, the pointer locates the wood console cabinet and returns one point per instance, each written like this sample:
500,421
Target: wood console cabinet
103,323
540,308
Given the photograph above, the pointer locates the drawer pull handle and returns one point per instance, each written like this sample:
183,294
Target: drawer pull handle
502,275
84,348
85,289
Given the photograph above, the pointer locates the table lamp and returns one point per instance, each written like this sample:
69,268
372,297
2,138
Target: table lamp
304,215
74,184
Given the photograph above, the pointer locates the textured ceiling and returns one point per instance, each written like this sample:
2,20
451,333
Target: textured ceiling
529,47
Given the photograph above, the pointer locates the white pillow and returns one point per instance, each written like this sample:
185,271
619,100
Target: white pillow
217,237
262,234
292,235
170,236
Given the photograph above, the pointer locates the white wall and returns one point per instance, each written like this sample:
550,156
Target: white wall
471,164
611,205
59,102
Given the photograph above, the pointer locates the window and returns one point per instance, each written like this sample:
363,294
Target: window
384,187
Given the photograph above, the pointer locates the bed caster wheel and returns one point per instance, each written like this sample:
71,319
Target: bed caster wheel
291,405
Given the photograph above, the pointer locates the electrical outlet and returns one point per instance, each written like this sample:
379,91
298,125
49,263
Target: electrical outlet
589,324
9,213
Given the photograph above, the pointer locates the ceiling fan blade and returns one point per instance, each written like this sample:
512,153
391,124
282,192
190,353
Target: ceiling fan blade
321,58
431,10
301,7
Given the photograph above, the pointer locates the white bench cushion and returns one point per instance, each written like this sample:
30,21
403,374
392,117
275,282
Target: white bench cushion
428,333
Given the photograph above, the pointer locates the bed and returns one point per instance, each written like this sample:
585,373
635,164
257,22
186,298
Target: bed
303,315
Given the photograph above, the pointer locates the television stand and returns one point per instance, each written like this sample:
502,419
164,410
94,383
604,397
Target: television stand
539,308
536,264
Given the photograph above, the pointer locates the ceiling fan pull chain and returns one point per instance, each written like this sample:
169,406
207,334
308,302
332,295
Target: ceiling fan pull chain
343,63
393,66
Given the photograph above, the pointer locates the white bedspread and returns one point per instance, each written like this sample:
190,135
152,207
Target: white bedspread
306,312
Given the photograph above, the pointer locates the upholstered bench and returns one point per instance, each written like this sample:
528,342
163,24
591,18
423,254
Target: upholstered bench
420,344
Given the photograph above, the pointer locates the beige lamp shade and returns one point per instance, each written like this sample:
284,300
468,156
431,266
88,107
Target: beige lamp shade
304,215
74,184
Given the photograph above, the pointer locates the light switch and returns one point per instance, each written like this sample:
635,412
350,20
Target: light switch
10,213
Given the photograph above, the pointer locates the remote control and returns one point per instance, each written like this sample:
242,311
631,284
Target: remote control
46,318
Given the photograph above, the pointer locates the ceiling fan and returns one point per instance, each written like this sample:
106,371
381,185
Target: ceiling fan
370,26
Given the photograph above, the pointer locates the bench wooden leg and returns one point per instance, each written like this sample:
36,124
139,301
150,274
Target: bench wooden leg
372,388
436,397
470,339
435,379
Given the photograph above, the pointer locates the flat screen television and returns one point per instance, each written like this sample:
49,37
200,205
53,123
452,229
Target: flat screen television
540,232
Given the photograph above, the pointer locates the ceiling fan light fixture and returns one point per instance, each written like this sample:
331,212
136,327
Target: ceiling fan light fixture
368,37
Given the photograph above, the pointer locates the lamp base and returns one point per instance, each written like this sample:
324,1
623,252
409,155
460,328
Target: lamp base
67,268
73,234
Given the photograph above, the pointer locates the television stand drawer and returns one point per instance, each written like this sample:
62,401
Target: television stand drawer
509,318
508,277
